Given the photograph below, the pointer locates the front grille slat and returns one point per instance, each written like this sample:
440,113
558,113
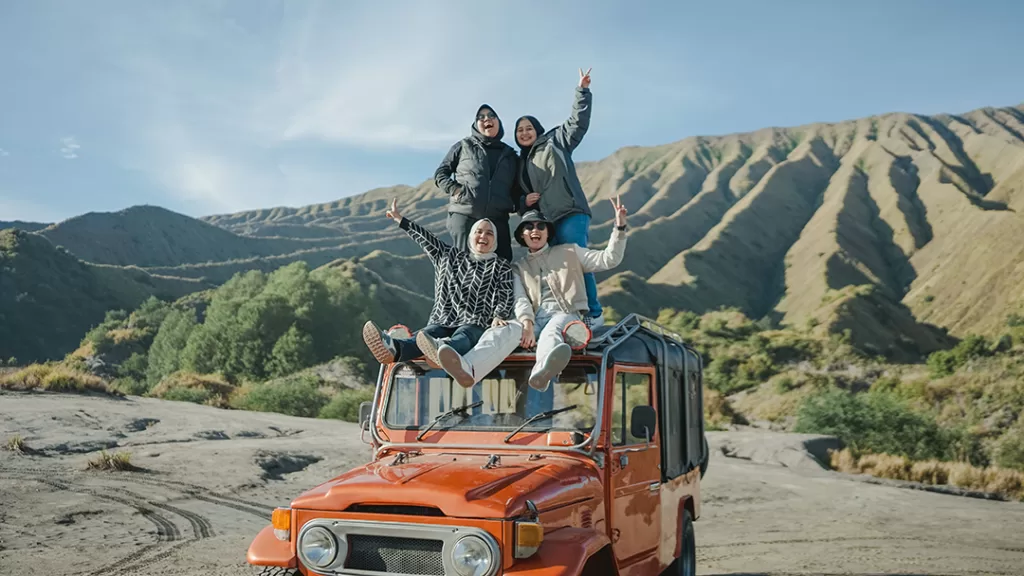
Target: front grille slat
395,554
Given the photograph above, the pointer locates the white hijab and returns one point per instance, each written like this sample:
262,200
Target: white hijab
473,251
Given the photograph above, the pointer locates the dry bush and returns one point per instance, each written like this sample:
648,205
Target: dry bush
17,445
208,389
718,411
1009,483
55,378
116,461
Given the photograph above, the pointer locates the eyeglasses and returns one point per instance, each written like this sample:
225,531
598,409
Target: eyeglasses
487,116
538,225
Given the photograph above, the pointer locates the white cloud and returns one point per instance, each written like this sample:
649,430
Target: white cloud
69,147
4,152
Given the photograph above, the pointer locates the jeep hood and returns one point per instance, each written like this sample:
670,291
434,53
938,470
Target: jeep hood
460,485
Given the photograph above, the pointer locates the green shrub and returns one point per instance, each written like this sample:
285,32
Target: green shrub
881,423
298,395
345,405
1009,449
197,388
194,395
130,386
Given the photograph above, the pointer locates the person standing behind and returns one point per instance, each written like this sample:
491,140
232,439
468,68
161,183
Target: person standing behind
478,174
546,174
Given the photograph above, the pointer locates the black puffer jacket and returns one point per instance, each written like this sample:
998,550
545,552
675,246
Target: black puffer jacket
478,174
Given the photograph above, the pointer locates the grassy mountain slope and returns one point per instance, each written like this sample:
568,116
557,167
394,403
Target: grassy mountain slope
152,236
22,225
49,298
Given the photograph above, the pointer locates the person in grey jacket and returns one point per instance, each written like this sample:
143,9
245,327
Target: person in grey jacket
478,174
546,180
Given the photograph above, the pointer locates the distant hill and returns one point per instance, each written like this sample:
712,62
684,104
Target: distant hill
26,226
49,298
903,229
151,236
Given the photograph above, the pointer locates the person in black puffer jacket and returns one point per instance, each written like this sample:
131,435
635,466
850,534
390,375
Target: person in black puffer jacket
478,174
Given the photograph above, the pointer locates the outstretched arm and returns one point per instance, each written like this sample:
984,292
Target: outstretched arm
611,256
443,174
571,132
434,248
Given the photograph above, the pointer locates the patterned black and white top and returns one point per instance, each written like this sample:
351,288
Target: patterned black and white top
466,290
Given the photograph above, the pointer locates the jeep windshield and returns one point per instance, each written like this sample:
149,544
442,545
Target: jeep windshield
501,402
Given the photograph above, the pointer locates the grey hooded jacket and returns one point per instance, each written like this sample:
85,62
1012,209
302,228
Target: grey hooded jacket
478,174
550,169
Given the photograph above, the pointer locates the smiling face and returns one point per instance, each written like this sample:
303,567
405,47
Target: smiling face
482,238
487,122
535,234
526,135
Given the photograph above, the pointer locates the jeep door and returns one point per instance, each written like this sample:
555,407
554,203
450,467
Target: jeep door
634,472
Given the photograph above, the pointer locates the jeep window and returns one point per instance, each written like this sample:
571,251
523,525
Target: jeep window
630,390
415,397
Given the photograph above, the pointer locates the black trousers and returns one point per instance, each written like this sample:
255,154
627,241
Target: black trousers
459,226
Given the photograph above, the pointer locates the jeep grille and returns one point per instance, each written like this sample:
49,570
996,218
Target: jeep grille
392,554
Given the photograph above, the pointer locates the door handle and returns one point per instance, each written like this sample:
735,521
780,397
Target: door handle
655,486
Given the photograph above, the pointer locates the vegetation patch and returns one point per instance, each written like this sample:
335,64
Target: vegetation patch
345,404
55,378
121,461
211,390
17,445
996,480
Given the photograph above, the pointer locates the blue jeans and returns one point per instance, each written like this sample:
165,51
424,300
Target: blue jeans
575,229
462,339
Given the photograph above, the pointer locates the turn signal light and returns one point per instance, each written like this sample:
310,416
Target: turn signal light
529,537
281,519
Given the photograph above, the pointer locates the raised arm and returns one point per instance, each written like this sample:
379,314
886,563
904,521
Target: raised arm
434,248
571,132
443,174
611,256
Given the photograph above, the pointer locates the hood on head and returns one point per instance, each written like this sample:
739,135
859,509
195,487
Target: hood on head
460,485
472,245
501,127
536,127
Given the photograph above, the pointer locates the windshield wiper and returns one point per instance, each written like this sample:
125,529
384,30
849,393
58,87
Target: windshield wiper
536,417
444,415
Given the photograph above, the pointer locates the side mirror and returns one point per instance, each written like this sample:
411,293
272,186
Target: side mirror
642,422
364,415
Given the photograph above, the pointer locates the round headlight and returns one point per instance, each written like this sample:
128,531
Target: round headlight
318,547
472,557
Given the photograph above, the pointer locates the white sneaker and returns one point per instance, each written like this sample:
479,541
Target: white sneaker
379,343
594,323
429,346
455,365
541,376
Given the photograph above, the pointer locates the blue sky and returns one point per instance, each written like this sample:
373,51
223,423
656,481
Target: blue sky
225,105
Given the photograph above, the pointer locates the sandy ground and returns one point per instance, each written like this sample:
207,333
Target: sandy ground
211,478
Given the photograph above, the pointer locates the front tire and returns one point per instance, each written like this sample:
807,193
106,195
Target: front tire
706,457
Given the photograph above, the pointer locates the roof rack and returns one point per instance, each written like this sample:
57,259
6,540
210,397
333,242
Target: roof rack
626,328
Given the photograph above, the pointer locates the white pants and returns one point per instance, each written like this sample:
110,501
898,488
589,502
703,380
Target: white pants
495,344
548,329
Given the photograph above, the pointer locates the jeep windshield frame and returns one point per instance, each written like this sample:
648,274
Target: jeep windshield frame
405,408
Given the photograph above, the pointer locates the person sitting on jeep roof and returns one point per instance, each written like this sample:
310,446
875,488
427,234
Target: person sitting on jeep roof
473,297
550,293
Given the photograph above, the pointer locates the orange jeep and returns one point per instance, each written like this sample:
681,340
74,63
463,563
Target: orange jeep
583,478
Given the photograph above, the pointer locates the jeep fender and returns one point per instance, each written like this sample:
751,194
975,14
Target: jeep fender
564,553
267,550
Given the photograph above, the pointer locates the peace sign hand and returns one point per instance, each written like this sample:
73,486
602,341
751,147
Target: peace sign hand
620,211
393,212
585,78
